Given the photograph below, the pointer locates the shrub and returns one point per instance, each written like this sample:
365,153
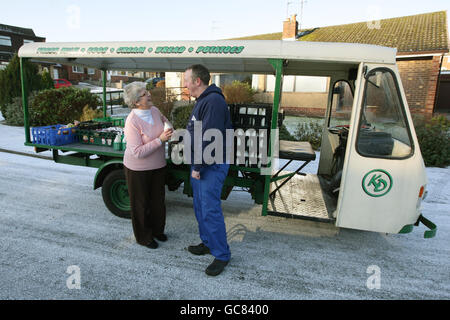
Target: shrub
10,82
284,134
162,101
180,116
150,86
238,92
434,141
90,114
47,81
62,105
13,112
310,131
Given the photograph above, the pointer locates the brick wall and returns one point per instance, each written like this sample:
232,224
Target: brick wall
77,77
304,111
446,63
290,28
419,77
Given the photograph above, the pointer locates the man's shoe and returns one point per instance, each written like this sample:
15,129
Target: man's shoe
199,250
152,244
161,237
216,267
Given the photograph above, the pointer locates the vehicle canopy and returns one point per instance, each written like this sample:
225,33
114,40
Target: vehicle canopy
217,56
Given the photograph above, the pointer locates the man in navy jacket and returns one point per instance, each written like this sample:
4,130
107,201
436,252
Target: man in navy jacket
207,177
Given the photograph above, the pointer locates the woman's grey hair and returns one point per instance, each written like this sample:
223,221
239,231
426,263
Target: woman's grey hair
132,92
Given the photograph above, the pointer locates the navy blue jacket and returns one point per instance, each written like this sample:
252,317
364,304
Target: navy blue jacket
212,110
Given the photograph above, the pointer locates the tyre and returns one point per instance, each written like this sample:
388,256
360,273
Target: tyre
115,194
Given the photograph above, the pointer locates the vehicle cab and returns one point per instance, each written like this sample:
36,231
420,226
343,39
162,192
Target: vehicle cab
370,154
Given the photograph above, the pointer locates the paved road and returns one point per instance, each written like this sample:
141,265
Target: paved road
54,228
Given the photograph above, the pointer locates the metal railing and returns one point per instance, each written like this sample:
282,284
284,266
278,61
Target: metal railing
117,99
170,94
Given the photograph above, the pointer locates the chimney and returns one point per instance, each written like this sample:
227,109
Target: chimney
290,28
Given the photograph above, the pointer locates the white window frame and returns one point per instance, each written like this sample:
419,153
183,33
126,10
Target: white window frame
7,39
91,71
76,69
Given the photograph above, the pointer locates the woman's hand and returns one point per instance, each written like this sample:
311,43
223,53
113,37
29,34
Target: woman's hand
165,136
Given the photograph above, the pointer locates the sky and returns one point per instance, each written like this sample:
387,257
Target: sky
133,20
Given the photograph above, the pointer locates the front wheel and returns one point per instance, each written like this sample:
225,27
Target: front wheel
115,194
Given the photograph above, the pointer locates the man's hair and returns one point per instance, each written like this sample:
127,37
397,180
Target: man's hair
200,71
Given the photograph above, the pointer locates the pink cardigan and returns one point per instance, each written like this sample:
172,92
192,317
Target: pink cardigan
144,150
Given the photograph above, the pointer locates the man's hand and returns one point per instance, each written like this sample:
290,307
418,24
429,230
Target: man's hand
196,174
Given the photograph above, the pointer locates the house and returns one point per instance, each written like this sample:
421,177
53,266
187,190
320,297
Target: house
443,98
77,74
12,38
421,41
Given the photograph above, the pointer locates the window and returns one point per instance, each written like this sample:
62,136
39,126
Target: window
77,69
299,84
342,103
27,41
91,71
383,131
5,41
311,84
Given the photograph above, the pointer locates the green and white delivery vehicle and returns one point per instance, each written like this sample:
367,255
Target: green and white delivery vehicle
371,175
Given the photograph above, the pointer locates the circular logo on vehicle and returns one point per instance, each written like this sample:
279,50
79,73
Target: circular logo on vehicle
377,183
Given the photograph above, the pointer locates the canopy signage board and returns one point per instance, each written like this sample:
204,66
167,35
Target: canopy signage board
219,56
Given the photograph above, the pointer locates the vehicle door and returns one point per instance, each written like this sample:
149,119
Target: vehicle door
383,169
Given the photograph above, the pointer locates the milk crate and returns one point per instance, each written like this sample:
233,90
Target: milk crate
251,115
55,135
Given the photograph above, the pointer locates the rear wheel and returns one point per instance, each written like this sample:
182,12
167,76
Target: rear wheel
115,194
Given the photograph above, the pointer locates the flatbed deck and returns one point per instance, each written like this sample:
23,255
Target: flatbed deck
80,147
301,198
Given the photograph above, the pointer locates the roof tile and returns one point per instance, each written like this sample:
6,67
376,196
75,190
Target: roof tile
411,34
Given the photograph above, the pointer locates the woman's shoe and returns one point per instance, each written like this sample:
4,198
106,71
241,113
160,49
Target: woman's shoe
152,244
161,237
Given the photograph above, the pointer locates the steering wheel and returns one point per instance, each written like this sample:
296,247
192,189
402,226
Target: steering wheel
339,129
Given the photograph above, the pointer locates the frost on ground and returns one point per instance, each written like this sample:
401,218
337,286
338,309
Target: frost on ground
51,219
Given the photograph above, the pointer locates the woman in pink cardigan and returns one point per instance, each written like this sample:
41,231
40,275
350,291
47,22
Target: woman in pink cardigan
145,165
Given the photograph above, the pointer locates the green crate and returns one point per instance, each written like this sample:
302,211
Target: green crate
96,138
84,136
93,125
116,122
107,139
